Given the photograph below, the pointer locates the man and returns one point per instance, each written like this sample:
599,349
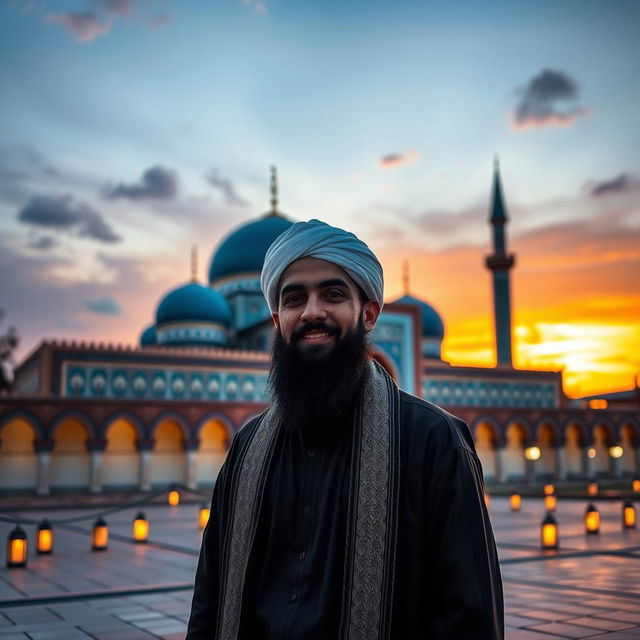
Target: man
349,509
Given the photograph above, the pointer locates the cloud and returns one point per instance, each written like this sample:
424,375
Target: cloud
156,182
42,243
391,160
84,26
257,5
159,21
548,99
118,7
622,184
225,185
106,305
63,213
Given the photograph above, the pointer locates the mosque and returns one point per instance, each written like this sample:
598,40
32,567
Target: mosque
100,417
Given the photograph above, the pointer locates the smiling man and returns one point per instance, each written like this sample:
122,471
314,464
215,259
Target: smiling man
349,509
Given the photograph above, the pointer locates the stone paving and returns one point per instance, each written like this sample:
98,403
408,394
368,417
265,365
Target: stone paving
590,588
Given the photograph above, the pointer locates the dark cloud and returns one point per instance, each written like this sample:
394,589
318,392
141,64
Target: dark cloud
42,243
226,187
63,213
106,305
396,159
84,26
622,184
549,98
156,183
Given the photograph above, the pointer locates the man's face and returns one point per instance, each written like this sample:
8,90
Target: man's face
318,305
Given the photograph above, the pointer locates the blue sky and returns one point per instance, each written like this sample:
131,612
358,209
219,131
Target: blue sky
97,93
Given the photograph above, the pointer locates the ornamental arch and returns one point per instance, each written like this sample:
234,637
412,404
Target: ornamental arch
575,447
547,440
168,460
70,461
629,441
215,437
603,440
486,434
18,460
121,462
517,438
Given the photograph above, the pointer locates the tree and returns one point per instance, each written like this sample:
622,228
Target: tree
8,343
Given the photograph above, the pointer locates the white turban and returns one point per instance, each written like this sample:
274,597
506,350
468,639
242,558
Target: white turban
315,239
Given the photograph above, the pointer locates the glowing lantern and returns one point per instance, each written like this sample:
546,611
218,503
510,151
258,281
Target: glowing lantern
140,528
616,452
591,452
174,498
44,540
203,516
628,515
17,548
532,453
592,489
549,489
549,533
100,535
550,503
636,485
592,519
515,502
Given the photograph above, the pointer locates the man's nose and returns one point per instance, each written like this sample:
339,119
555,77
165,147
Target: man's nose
313,310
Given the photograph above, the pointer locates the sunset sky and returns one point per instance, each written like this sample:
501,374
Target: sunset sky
132,129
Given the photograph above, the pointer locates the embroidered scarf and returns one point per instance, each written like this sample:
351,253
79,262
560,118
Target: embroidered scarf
372,513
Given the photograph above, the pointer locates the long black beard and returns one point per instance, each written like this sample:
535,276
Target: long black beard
316,389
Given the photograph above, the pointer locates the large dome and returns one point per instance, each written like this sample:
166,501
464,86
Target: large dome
193,302
243,250
432,325
148,336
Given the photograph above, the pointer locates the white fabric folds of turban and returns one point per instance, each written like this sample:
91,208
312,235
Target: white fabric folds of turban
316,239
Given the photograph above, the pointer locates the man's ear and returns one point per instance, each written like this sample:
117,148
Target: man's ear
370,313
276,320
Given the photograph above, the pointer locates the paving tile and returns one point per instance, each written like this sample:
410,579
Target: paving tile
524,634
622,616
565,630
601,623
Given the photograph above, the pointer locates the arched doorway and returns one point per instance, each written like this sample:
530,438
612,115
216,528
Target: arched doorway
602,441
629,441
573,450
546,442
121,462
168,459
485,441
515,467
70,461
214,444
18,460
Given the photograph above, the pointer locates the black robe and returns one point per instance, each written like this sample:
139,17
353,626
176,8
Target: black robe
447,578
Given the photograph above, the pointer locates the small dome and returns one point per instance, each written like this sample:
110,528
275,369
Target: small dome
193,302
243,250
148,336
432,326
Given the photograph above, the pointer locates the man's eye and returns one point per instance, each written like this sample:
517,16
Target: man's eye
335,294
291,300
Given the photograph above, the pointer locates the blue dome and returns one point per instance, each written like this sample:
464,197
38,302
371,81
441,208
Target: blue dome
243,250
148,336
432,326
193,302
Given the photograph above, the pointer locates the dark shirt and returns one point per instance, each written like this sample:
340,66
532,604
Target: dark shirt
447,583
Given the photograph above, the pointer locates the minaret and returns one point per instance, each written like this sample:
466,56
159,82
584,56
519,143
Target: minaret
274,192
500,263
194,263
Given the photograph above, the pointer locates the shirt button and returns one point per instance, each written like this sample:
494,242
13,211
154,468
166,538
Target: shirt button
306,509
311,453
302,555
293,597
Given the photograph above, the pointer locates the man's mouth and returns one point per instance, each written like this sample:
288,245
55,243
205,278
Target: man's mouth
315,335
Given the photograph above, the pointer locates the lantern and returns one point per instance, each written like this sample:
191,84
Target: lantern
140,528
592,519
44,539
549,489
549,533
591,452
100,535
174,498
592,489
515,502
616,452
532,453
628,515
636,485
550,503
17,548
203,516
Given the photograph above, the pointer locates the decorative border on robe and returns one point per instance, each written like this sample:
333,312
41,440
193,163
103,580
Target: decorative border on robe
372,513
